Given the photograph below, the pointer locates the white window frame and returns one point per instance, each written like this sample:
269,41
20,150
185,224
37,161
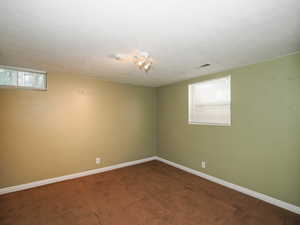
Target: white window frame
19,69
204,123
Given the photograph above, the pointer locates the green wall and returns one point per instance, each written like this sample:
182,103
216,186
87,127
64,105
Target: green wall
261,150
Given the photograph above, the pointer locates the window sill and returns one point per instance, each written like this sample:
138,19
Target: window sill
210,124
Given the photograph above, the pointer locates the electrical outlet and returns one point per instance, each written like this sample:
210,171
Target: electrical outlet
98,160
203,164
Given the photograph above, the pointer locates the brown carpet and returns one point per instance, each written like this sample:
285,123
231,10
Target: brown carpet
152,193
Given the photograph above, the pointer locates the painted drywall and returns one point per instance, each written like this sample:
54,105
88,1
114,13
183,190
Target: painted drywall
261,150
60,131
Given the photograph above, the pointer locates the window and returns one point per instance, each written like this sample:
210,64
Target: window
20,78
209,102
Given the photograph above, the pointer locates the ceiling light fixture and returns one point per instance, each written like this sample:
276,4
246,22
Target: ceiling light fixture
143,61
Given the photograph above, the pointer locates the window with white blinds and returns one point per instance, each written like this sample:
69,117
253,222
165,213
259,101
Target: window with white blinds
20,78
210,101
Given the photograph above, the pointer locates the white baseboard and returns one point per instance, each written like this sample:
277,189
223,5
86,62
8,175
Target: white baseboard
271,200
71,176
266,198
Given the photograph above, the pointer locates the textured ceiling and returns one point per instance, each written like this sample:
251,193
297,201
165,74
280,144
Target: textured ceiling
78,36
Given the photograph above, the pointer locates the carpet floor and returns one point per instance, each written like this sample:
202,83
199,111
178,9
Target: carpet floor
151,193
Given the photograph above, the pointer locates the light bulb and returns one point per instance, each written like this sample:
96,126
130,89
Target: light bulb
147,66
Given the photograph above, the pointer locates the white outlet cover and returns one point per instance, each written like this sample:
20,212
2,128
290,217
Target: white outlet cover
98,160
203,164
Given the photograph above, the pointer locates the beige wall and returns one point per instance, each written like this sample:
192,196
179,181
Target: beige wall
63,130
261,150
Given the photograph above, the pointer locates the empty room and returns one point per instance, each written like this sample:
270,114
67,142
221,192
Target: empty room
150,112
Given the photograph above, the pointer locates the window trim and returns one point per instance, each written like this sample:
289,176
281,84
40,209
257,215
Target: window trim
204,123
21,69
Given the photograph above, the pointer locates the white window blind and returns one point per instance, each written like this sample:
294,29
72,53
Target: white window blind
15,77
210,101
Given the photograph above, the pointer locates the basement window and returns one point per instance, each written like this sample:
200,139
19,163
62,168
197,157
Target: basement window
22,78
210,102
